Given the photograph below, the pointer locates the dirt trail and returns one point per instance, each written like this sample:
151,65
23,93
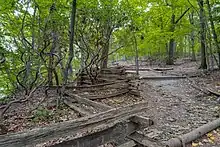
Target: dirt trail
176,107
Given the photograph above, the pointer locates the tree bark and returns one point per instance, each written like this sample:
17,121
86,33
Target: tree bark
202,34
72,26
136,54
170,60
215,37
192,36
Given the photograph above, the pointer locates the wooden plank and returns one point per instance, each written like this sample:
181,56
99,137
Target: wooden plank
97,85
73,127
117,131
118,93
142,121
113,133
163,77
81,111
144,141
114,86
128,144
98,106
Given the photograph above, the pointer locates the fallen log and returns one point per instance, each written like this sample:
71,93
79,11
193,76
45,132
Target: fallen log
149,69
114,86
140,69
163,69
40,135
79,110
113,133
181,141
99,106
163,77
118,93
97,85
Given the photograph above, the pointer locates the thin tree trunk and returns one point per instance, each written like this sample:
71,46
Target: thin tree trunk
72,25
192,36
215,37
170,60
104,62
136,54
202,35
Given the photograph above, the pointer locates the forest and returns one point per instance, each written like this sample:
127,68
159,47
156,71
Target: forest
90,67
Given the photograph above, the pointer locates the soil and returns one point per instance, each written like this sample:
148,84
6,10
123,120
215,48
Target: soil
175,106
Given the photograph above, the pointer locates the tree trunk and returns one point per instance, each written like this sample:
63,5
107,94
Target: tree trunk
136,54
192,36
215,37
170,60
72,26
104,62
202,34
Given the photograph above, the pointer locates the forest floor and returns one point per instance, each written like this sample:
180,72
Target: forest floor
175,105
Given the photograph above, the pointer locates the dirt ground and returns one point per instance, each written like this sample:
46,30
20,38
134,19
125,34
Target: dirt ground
175,105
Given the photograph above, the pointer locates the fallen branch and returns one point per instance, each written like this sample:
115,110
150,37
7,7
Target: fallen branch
213,92
204,90
181,141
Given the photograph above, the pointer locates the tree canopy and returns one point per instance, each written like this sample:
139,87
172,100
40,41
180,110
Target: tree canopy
49,41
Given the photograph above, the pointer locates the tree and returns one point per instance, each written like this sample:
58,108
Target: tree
214,34
72,26
202,34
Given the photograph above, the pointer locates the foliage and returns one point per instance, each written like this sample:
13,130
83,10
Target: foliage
34,35
41,114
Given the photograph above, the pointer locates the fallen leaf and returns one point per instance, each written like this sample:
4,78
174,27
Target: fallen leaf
209,135
195,144
212,138
210,141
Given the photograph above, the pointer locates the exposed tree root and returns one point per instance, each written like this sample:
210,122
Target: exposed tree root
17,101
